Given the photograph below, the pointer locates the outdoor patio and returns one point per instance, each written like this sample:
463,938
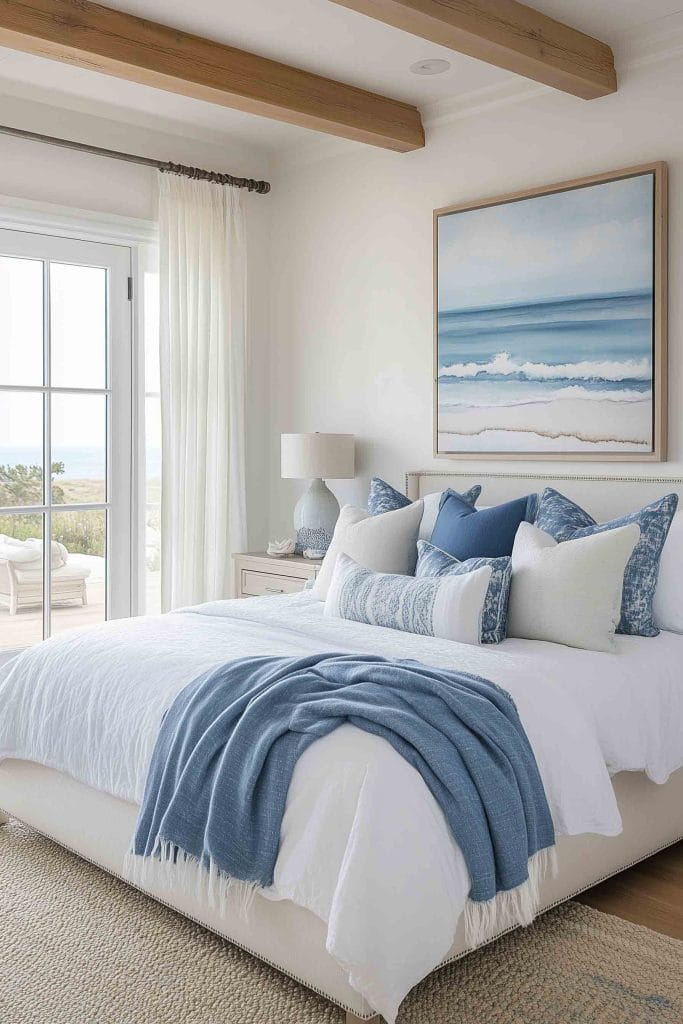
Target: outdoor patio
26,627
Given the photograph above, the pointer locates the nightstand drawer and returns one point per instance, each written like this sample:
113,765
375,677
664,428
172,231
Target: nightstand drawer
261,584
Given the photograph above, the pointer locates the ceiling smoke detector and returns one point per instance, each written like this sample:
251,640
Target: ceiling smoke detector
435,66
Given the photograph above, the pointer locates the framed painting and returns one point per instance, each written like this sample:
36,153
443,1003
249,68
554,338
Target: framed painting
550,322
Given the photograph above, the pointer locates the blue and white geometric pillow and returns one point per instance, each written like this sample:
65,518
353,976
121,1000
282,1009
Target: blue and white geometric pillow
433,562
564,520
447,607
385,498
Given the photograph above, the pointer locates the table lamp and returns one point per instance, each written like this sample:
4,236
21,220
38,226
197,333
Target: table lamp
314,457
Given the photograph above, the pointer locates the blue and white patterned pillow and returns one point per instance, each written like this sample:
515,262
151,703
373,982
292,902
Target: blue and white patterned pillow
450,607
564,520
433,562
385,498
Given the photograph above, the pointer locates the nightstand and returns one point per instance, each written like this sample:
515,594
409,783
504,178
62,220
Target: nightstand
258,574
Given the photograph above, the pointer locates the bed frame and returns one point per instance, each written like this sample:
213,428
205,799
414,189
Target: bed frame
98,827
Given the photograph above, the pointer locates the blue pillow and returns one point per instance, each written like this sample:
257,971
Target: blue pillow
564,520
463,532
385,498
432,561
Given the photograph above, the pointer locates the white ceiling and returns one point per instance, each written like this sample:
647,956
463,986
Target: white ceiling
313,34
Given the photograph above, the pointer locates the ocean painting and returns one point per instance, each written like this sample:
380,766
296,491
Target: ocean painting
545,323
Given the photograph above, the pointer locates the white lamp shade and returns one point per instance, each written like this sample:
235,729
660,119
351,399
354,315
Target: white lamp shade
309,456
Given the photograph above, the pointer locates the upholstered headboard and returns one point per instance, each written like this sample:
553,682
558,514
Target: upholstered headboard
605,497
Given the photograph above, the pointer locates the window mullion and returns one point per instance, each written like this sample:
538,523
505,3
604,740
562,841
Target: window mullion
47,454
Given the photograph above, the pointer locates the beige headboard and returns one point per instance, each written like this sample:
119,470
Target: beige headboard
605,497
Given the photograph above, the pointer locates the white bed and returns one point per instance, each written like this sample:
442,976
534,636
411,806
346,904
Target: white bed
81,712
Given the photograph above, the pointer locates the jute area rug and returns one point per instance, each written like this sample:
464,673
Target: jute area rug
80,947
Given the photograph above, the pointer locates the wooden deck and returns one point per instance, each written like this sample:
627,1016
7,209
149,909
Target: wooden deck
26,627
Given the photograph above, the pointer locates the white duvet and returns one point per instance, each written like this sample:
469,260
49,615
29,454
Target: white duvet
364,845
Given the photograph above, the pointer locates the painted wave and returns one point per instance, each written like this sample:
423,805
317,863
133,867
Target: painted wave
503,366
477,400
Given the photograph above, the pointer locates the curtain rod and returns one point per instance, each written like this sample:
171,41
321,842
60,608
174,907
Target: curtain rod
261,187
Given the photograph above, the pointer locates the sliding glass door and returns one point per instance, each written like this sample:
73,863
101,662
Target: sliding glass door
65,435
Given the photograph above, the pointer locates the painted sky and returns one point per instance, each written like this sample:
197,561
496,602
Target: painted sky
588,241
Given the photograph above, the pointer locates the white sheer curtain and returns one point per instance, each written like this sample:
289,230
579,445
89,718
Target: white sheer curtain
203,365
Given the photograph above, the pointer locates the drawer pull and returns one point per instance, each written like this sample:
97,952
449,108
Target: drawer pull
274,590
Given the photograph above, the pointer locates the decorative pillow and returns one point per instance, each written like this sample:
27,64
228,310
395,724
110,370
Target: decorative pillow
386,543
667,606
464,532
433,503
569,593
564,520
432,562
450,607
385,498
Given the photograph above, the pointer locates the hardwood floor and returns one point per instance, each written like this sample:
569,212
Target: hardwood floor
651,893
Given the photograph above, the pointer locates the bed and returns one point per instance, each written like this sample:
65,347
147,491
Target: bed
360,826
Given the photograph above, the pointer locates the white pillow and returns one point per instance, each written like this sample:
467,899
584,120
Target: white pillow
431,511
569,593
667,607
450,607
386,543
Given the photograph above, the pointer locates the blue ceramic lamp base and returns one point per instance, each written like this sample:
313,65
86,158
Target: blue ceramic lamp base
315,516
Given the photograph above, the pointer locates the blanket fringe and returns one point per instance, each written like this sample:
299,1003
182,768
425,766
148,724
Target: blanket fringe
511,907
173,870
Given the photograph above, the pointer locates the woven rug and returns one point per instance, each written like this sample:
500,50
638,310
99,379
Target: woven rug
80,947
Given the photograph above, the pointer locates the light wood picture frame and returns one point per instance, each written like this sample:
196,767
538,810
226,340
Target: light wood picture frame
550,322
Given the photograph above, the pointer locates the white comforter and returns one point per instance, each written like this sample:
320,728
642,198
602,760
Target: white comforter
364,845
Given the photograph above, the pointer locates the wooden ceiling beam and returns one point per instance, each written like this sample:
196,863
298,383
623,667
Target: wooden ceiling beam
102,39
507,34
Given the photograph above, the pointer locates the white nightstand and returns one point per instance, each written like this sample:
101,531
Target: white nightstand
258,574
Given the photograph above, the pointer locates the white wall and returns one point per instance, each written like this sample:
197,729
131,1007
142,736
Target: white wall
37,172
351,313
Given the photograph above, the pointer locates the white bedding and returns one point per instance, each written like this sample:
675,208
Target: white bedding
364,845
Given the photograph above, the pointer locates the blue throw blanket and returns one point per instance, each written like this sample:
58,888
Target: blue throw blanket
228,745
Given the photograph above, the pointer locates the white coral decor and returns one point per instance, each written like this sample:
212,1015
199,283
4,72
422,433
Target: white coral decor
280,548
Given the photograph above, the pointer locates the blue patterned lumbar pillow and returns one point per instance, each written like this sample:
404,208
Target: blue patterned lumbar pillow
450,607
385,498
464,532
433,562
564,520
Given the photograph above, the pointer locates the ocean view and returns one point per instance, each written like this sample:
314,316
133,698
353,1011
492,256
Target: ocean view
79,463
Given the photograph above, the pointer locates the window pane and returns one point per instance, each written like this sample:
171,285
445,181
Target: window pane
21,449
78,569
21,580
78,320
79,431
21,321
151,329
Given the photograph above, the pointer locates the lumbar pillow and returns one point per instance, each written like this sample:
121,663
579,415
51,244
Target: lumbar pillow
433,562
667,606
384,543
385,498
463,532
569,593
564,520
450,607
